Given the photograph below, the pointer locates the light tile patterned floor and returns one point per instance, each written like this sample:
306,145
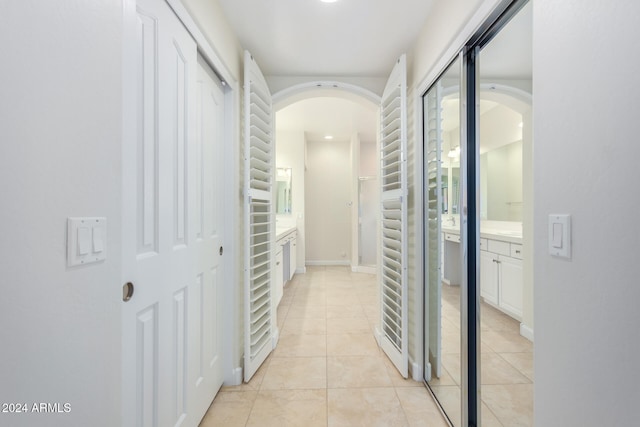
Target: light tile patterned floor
327,369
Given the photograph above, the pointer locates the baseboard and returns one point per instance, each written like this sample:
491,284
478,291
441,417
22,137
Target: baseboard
378,335
275,337
428,372
526,332
302,270
415,371
338,262
235,378
363,269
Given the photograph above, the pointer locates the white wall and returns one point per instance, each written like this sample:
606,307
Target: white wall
585,161
290,153
503,182
60,156
327,197
369,164
210,18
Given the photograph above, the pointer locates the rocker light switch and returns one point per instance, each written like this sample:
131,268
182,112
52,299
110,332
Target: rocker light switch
556,239
560,235
85,240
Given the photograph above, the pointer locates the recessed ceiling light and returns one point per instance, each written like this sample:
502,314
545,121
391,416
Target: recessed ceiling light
328,136
328,1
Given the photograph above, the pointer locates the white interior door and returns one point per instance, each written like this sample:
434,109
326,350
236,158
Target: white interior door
259,243
206,355
172,229
393,180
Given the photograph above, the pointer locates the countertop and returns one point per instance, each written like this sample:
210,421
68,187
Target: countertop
283,230
511,236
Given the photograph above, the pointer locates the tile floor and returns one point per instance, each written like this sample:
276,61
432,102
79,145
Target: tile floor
506,366
327,369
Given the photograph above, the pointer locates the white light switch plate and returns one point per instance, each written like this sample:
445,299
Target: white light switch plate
560,235
86,239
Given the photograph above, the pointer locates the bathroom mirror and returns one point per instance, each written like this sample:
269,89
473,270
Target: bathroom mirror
283,190
450,189
501,142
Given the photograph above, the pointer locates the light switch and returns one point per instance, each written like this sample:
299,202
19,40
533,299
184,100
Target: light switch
556,240
560,235
85,240
98,246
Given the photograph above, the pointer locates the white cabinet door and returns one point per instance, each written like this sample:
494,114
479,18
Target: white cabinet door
293,251
511,286
489,277
278,278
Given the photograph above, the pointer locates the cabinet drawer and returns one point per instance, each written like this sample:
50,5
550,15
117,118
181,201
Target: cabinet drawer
498,247
452,237
516,251
483,244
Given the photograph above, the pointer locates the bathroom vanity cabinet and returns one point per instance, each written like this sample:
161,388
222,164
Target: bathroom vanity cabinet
286,260
501,278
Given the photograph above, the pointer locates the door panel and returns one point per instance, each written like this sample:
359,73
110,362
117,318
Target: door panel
259,225
172,185
393,181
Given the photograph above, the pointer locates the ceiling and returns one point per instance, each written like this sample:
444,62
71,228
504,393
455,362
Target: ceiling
312,38
333,116
352,38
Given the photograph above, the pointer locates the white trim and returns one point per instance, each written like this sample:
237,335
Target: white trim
301,270
300,91
526,332
329,263
427,371
275,337
235,377
377,334
415,370
473,24
364,269
206,50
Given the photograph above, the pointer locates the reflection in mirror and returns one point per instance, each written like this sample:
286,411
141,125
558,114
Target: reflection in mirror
283,190
506,288
442,277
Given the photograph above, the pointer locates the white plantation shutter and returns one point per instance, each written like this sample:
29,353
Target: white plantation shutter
433,199
393,174
259,218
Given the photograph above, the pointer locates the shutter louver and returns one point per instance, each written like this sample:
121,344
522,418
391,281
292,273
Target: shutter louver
259,218
393,173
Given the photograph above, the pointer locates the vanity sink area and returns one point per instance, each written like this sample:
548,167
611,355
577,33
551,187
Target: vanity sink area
286,258
501,254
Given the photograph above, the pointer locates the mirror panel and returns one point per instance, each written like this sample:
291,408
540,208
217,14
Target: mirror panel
283,190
